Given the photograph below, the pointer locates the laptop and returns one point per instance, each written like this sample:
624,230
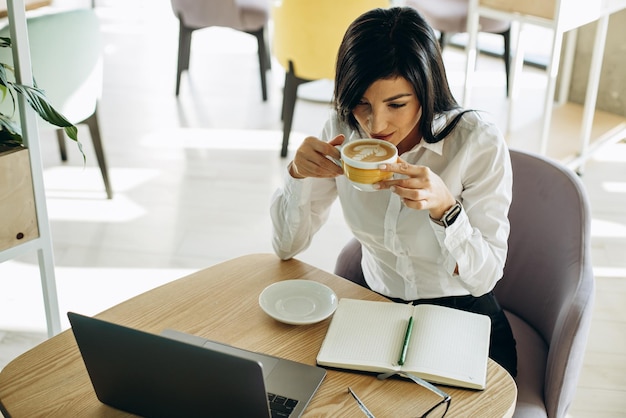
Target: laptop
180,375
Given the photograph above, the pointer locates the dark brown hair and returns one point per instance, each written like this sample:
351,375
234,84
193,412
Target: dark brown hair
389,43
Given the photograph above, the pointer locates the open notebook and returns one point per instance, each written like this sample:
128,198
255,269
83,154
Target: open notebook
445,345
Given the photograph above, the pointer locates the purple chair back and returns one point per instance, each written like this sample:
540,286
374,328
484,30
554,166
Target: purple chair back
547,290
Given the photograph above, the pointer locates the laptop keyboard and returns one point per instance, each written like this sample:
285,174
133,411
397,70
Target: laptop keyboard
281,407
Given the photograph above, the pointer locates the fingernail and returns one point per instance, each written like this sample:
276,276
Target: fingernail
382,166
376,186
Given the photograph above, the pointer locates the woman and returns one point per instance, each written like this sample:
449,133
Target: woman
435,233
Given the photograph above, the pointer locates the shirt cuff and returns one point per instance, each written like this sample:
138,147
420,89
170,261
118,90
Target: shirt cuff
453,237
297,189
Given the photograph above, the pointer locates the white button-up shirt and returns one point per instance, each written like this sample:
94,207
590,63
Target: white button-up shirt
405,254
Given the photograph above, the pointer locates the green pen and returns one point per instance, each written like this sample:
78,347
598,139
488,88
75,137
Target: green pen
405,344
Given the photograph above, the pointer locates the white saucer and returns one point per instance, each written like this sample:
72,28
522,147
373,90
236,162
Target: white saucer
298,302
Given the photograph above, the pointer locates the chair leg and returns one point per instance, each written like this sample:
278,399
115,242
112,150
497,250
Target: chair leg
268,54
443,40
263,59
61,140
94,130
184,51
289,103
507,56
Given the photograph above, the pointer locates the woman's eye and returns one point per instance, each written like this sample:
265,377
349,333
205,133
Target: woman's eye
396,105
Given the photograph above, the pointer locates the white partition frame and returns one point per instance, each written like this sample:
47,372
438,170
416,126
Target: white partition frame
569,15
42,244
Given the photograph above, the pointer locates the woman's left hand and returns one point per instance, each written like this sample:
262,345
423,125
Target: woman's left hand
423,189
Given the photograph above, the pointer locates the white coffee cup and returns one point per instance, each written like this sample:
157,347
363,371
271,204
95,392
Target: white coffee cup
360,160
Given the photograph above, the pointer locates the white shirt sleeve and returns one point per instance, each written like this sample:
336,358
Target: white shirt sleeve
298,211
477,241
301,207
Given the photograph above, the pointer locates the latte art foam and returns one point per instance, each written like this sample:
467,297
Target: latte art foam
361,159
369,152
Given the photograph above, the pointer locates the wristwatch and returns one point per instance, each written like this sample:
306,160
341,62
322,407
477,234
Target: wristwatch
450,215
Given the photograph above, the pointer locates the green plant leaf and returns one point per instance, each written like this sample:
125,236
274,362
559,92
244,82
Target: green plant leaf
8,140
36,98
9,127
10,132
4,81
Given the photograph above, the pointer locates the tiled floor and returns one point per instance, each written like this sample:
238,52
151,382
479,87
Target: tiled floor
193,178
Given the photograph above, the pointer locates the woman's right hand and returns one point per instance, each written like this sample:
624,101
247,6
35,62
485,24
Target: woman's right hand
311,159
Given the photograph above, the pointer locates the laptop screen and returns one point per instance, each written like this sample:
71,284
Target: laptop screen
154,376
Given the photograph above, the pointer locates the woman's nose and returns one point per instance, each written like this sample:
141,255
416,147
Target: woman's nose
377,122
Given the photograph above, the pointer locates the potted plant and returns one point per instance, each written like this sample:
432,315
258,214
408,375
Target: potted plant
10,131
18,219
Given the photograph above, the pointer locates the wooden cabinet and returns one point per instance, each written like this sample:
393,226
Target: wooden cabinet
18,217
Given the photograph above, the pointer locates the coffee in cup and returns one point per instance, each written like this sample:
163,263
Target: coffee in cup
361,159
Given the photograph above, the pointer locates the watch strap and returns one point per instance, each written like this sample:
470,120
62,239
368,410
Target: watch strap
449,216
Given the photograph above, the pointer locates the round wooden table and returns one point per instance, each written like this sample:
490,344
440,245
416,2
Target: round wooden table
221,303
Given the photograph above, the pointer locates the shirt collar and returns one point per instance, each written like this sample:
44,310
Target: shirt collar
438,123
437,147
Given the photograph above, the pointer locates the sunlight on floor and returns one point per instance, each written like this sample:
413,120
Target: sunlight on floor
224,139
76,194
615,153
614,186
82,208
603,228
610,272
85,290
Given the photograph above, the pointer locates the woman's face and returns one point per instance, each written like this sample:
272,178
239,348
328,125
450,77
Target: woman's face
389,110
